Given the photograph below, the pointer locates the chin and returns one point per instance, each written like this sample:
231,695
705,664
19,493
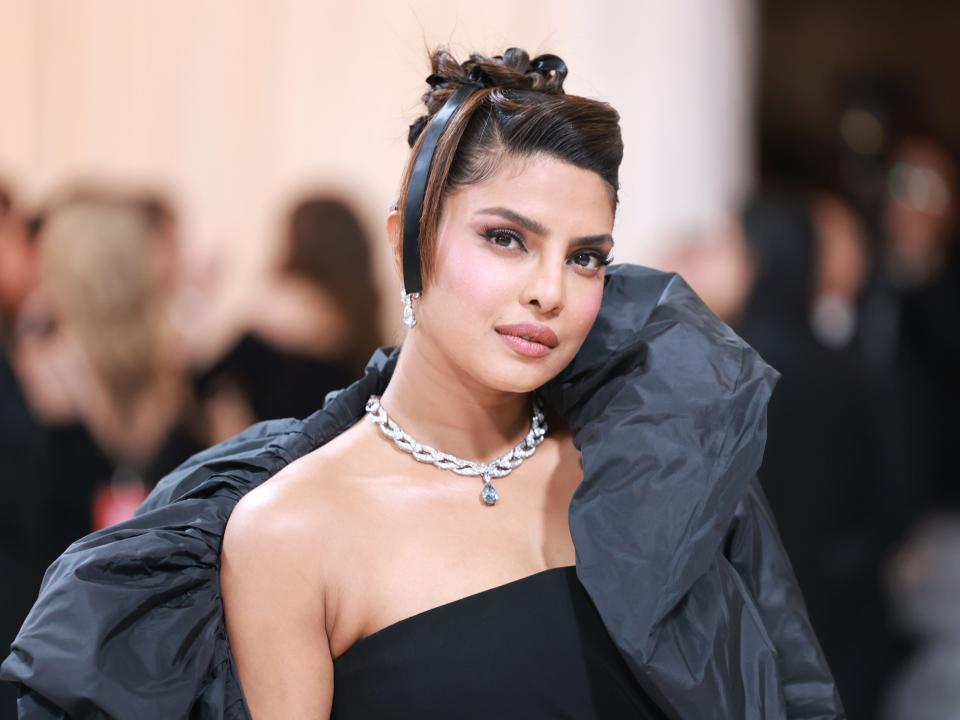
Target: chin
522,376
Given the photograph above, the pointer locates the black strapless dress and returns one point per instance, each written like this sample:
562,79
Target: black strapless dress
532,648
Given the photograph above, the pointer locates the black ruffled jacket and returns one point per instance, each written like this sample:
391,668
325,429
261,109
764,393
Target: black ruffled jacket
674,541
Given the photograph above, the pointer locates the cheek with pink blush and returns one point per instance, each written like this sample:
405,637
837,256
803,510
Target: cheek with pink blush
477,267
585,308
470,279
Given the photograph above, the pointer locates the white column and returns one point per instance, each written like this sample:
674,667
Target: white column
680,72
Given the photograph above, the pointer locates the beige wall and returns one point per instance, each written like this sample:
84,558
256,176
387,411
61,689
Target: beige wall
234,106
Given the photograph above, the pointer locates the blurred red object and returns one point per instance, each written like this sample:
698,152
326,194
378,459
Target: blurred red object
113,504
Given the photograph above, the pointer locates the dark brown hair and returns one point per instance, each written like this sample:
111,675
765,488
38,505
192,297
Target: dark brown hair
521,111
329,247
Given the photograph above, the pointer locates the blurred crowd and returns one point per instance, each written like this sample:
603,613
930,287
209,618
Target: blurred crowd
101,390
852,291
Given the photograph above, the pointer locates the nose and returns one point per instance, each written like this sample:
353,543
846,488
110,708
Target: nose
544,288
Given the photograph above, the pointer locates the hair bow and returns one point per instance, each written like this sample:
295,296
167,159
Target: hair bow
547,64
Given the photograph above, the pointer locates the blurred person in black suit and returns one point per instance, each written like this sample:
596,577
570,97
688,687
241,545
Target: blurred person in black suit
911,333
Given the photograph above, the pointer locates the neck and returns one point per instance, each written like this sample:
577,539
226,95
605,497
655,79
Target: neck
439,405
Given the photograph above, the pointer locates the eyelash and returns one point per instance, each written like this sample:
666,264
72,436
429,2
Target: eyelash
602,261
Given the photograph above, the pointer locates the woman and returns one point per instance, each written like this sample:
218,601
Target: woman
106,354
619,562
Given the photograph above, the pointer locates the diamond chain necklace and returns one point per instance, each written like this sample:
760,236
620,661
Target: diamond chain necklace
501,467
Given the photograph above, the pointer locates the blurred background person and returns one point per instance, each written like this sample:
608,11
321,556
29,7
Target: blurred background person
912,338
822,471
841,271
28,473
911,331
108,358
310,329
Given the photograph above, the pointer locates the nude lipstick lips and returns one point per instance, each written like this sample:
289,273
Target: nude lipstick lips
528,339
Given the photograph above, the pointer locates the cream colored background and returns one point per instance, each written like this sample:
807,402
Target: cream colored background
235,106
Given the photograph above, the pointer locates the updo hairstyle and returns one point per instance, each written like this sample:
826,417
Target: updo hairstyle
521,111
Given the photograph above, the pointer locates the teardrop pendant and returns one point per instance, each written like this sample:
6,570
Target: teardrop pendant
489,494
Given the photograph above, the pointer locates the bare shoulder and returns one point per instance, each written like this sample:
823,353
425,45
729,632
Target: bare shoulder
275,566
294,529
280,527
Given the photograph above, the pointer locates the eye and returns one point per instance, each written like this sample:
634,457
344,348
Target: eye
503,238
591,260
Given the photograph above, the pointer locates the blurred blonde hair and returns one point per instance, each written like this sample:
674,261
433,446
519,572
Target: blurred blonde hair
97,263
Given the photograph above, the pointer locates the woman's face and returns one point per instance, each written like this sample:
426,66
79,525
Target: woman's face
519,255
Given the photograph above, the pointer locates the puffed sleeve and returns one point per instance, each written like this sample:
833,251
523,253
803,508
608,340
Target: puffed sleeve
756,553
668,408
129,620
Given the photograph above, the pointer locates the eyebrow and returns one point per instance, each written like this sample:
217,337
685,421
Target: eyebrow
535,227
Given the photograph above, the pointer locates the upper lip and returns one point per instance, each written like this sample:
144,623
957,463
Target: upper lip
532,331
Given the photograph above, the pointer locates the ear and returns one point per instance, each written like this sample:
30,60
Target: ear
393,236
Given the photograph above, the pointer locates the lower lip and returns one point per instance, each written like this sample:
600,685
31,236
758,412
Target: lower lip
527,348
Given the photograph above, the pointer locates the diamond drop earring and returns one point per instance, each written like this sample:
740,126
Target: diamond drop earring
409,319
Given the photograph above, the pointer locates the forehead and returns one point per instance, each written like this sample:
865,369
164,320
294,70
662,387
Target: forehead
563,197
